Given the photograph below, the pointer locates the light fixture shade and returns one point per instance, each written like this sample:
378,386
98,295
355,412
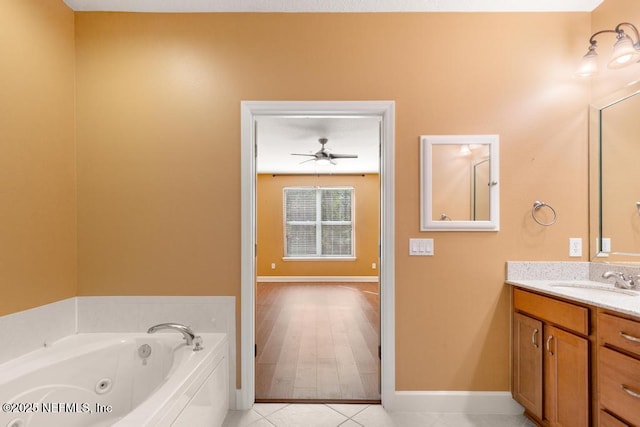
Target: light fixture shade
323,162
624,52
589,64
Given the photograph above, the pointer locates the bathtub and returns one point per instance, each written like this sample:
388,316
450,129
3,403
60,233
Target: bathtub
124,380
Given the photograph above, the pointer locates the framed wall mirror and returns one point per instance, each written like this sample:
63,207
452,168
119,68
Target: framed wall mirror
459,188
614,144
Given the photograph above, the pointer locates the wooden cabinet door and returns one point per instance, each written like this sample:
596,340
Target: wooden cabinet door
527,363
566,364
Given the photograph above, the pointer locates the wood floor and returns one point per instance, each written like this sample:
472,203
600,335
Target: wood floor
317,341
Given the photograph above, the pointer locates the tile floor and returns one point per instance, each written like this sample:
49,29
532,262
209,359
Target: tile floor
347,415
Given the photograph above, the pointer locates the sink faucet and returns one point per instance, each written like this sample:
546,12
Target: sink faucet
621,280
186,332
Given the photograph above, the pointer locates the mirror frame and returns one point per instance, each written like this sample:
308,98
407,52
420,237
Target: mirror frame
595,173
427,222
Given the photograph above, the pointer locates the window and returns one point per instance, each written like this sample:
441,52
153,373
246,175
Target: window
318,222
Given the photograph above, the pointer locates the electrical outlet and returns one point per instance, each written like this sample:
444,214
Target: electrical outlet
273,265
606,244
373,265
575,246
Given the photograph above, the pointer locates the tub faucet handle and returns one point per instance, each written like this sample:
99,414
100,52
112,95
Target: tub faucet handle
197,343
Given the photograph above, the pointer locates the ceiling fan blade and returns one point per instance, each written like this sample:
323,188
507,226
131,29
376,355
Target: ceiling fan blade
343,156
299,154
307,161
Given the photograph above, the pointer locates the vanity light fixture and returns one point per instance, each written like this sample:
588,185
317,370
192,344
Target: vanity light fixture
626,51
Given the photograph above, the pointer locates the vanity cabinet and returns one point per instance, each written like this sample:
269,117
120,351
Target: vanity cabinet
619,369
551,349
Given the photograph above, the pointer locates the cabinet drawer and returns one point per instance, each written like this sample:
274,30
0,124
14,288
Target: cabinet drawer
561,313
607,420
619,380
619,332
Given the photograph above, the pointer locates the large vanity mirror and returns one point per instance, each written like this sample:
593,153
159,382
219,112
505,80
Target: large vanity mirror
614,139
459,183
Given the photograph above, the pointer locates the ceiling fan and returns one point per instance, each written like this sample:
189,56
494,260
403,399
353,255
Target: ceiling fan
324,156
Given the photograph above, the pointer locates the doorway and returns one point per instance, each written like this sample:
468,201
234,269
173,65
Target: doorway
251,113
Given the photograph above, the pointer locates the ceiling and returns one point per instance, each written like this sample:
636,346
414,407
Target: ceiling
278,137
334,5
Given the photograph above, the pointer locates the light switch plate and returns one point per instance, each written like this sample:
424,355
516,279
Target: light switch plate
421,247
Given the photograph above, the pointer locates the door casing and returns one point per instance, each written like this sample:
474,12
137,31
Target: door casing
249,111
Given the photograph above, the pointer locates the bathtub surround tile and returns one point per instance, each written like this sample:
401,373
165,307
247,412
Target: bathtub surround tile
138,313
29,330
108,314
206,314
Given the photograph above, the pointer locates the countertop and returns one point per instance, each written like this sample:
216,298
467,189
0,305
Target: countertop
605,296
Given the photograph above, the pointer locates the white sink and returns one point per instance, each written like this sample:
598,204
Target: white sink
596,288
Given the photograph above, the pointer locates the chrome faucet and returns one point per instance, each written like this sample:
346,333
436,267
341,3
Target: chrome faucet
190,337
621,280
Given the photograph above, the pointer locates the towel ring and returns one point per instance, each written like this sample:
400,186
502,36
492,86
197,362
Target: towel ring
537,205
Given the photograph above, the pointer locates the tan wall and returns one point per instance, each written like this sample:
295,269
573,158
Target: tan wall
159,146
37,159
158,152
270,226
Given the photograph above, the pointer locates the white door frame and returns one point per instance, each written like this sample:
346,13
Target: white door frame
249,111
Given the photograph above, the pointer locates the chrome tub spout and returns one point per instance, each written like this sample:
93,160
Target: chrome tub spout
189,336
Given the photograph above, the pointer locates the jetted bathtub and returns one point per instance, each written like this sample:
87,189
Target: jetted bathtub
124,380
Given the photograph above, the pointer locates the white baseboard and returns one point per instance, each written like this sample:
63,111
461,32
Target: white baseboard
308,279
466,402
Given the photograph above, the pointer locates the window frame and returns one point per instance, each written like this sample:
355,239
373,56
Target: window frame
318,223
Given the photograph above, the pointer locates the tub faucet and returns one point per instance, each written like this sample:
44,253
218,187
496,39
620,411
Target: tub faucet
186,332
622,281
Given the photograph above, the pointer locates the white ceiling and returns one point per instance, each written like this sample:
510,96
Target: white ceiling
278,137
334,5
